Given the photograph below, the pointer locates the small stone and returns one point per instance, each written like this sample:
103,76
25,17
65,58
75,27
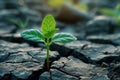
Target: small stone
99,25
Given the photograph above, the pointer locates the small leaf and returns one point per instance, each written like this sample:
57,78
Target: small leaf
63,38
19,23
118,6
48,26
107,11
33,35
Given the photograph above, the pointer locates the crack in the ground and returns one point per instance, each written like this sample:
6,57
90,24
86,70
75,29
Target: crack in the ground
99,41
78,77
63,51
55,47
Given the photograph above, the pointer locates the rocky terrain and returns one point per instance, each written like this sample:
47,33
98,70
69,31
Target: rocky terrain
94,56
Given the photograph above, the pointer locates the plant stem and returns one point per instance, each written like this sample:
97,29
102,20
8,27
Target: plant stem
48,47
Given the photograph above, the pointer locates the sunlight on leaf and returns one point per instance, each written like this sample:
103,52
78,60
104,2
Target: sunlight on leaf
63,38
33,35
48,26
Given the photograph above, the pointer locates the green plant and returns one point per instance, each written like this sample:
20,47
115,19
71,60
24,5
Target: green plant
115,13
47,35
108,12
19,23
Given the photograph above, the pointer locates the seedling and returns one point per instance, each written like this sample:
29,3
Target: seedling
19,23
115,13
48,35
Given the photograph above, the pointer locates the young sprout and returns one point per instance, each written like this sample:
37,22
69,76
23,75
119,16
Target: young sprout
19,23
47,35
115,13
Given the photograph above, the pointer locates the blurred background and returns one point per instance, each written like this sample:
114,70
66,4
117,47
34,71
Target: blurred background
80,17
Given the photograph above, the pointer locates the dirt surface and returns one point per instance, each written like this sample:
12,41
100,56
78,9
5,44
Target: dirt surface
94,56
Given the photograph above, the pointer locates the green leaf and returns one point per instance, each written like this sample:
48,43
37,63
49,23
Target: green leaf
118,6
107,11
48,26
19,23
63,38
33,35
117,21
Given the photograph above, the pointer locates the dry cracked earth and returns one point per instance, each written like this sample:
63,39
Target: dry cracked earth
94,56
